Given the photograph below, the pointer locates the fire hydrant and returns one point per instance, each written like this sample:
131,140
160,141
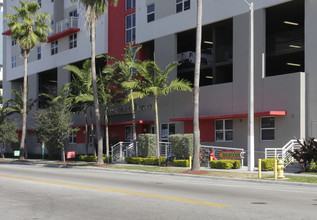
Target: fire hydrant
280,169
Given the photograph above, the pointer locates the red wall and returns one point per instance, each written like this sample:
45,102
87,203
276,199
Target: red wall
207,129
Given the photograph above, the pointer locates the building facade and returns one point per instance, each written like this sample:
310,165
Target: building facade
285,33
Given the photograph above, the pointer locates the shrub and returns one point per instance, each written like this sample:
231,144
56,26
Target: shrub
267,164
91,158
181,163
147,145
150,161
182,145
312,167
83,157
225,164
134,160
163,159
105,159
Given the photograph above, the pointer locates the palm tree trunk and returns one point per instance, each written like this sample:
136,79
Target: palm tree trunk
157,128
95,90
25,54
63,154
196,162
2,150
133,126
107,134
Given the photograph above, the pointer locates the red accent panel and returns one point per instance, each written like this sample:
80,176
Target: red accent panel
117,29
80,136
8,32
130,123
62,34
207,130
243,115
116,133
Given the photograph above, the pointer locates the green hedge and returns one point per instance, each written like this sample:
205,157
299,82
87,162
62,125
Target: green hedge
181,163
145,161
312,167
91,158
182,145
225,164
134,160
147,145
267,164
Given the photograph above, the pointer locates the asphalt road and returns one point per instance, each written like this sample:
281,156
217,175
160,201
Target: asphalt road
34,192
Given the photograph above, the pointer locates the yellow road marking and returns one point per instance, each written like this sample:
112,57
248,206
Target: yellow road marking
118,191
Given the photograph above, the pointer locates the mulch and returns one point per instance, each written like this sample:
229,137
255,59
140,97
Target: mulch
198,172
101,165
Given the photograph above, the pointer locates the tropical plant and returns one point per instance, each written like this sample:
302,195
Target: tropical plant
154,82
94,10
28,28
8,134
128,72
16,105
196,162
306,153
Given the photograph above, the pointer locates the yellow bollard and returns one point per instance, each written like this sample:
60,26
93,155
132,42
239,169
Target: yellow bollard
190,161
259,168
275,169
280,169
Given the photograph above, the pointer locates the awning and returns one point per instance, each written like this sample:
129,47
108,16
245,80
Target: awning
130,123
8,32
229,116
62,34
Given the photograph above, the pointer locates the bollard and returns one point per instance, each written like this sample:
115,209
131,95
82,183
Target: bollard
190,161
275,169
259,168
280,169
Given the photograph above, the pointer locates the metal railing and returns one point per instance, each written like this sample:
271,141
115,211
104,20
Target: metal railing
283,152
70,22
119,150
165,149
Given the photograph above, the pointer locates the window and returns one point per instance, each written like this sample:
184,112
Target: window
14,42
14,62
285,38
72,41
166,130
130,28
39,2
73,13
72,137
129,4
128,133
182,5
150,13
54,47
268,129
224,130
39,53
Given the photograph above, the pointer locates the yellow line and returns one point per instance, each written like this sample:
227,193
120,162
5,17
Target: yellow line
118,191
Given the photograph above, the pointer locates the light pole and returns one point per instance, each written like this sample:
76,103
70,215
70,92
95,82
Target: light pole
251,92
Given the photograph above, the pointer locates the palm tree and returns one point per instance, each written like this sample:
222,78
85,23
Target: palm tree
128,72
154,82
81,92
28,28
196,163
94,10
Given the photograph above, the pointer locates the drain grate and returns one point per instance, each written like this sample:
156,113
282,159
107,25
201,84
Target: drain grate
258,203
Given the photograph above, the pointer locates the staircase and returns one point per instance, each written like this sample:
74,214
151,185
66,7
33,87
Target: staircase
283,153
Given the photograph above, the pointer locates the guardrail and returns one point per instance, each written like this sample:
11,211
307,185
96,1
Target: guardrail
70,22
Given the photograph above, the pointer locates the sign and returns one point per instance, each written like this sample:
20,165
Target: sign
231,154
16,153
70,154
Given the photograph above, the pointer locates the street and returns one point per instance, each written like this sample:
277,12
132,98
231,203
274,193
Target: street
37,192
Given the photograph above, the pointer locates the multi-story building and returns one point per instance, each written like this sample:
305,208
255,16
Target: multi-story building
1,43
285,33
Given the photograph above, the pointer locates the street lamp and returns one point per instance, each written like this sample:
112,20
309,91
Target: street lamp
251,92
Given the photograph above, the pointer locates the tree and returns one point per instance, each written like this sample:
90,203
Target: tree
127,71
154,82
16,105
94,10
28,28
8,134
81,92
196,162
55,123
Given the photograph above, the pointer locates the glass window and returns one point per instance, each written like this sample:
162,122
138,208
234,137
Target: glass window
39,2
14,42
166,130
130,28
182,5
285,38
128,133
268,129
72,138
150,13
129,4
73,13
224,130
72,41
39,53
54,47
13,62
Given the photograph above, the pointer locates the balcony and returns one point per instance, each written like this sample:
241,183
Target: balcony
64,28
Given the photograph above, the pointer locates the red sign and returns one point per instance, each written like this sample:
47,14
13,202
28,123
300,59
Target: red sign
70,154
230,154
